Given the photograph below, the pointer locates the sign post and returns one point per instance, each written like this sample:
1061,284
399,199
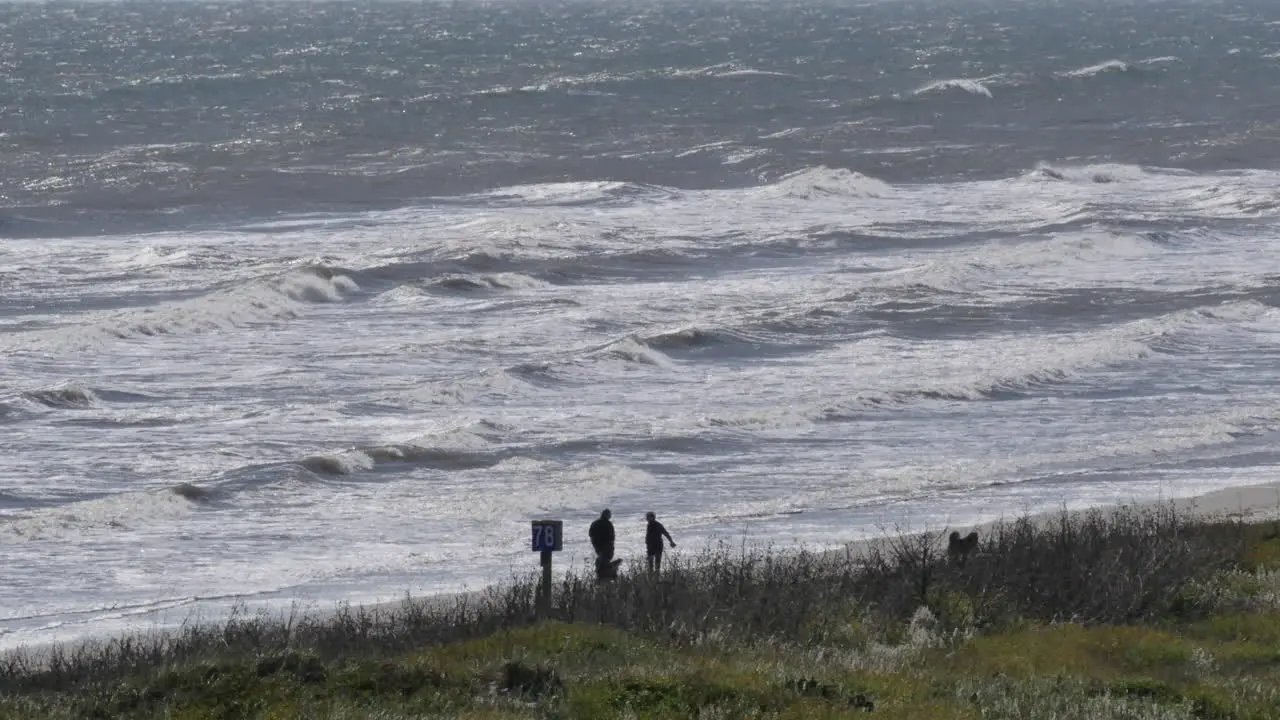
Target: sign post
548,537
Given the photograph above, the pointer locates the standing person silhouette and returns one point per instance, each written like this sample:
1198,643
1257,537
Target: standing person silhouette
601,534
653,535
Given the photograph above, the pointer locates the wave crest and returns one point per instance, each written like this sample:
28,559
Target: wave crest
66,397
635,351
690,336
569,194
344,464
973,87
492,383
352,462
1109,66
192,492
260,301
729,70
1098,173
112,513
820,182
494,281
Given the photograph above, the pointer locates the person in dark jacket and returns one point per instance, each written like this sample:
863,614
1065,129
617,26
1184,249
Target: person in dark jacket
602,538
653,535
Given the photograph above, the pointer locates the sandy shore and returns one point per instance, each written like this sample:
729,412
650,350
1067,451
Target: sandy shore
1256,503
1251,503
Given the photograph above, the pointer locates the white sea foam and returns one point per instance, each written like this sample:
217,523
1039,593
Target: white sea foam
376,403
825,182
973,87
263,301
1118,66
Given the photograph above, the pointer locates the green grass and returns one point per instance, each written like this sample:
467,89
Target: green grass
583,671
971,643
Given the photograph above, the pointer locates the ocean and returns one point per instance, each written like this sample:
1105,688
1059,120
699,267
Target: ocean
324,302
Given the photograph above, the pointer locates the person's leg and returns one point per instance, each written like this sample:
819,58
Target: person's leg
657,561
650,559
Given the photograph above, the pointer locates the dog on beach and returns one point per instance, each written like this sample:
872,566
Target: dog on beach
607,569
959,548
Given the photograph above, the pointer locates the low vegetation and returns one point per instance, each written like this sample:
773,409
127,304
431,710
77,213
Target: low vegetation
1139,613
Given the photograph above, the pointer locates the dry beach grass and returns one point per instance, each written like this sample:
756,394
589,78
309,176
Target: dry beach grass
1157,611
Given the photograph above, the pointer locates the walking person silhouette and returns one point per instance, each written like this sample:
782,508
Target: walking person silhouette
601,534
653,535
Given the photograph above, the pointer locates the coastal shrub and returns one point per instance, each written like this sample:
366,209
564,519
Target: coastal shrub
1094,567
1098,566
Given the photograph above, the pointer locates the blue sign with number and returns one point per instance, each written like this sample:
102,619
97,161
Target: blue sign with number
548,535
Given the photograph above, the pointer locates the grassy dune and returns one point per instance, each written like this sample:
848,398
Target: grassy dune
1140,613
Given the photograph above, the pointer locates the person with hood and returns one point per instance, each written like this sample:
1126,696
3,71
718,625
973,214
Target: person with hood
602,539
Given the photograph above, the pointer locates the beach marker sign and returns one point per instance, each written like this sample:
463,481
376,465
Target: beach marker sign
548,538
548,535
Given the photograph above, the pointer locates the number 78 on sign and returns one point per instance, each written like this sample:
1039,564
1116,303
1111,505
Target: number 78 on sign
548,535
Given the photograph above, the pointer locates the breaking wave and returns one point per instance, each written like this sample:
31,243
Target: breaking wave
989,370
1100,173
505,383
460,447
1121,67
263,301
820,182
192,492
1110,66
728,70
120,512
569,194
344,464
690,336
366,459
496,281
632,350
973,87
73,396
930,480
67,397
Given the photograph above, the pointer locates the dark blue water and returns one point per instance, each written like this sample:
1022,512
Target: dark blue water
141,115
327,301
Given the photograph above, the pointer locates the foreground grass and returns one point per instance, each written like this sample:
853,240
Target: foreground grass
1141,615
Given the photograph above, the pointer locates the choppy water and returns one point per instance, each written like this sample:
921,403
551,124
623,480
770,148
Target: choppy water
380,282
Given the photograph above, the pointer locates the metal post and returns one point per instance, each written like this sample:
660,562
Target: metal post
544,588
548,538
